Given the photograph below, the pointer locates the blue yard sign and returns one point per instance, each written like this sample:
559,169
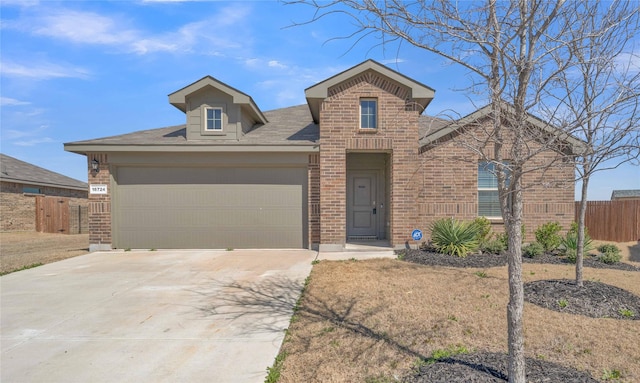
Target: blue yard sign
416,235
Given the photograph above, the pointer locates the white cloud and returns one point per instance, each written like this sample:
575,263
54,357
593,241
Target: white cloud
81,27
28,137
392,61
12,134
276,64
20,3
7,101
628,62
34,141
42,70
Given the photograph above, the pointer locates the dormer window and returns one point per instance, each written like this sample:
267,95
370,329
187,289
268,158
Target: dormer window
213,119
368,113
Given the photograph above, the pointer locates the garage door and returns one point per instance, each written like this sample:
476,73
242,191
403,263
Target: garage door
209,208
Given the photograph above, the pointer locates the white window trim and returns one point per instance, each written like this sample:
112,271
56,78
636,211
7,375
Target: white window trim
495,189
360,114
206,119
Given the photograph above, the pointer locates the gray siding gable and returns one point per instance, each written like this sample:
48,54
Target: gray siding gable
239,111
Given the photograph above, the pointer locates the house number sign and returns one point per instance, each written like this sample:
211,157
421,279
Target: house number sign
98,189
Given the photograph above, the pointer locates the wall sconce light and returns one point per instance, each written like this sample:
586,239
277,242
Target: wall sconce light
95,165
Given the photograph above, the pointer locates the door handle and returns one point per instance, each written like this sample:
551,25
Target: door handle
374,210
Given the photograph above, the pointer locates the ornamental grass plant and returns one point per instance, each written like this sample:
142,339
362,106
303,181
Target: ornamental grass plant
453,237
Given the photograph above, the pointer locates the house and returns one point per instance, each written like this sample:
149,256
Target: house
358,161
625,195
21,182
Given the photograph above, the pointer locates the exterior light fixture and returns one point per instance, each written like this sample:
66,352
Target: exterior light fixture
95,165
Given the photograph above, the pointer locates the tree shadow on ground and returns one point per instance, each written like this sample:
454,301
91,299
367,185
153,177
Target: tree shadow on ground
267,306
252,307
634,253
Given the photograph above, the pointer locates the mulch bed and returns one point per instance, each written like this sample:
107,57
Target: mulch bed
431,258
594,299
486,367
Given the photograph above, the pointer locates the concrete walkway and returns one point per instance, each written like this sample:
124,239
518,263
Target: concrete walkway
360,251
141,316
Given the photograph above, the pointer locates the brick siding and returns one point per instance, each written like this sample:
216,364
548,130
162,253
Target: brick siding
450,175
19,209
99,204
397,133
314,200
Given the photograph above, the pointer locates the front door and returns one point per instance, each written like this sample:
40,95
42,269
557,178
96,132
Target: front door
361,204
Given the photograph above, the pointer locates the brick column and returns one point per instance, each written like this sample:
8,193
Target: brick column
99,204
314,200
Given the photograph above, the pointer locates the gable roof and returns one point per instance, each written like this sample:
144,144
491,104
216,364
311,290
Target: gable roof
14,170
178,98
287,129
633,193
577,146
420,93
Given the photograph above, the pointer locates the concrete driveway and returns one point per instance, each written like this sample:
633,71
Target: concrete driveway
143,316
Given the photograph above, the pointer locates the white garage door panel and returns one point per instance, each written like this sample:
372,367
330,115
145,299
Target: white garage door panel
187,208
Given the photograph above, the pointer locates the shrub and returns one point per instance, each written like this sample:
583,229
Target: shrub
547,235
608,248
494,246
570,242
610,253
454,237
484,230
532,250
504,238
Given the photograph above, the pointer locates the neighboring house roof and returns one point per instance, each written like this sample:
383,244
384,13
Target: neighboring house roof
577,146
618,194
420,93
178,98
287,127
14,170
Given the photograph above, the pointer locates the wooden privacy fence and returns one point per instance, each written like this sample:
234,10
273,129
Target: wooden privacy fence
616,221
57,215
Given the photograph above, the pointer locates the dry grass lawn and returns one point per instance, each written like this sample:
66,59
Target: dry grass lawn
373,320
23,249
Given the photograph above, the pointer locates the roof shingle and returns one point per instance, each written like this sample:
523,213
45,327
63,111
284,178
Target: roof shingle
14,170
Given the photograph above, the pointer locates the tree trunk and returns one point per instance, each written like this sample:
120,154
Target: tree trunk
515,308
581,230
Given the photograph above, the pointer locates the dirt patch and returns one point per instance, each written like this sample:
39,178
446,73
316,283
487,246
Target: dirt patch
379,320
22,249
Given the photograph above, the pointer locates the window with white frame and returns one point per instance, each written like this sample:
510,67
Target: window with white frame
368,113
488,200
213,119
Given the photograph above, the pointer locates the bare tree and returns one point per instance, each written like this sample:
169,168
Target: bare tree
599,96
514,52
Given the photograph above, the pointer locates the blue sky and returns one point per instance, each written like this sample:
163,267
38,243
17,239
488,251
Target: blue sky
79,70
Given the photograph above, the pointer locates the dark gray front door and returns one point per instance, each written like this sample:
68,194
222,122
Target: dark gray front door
361,204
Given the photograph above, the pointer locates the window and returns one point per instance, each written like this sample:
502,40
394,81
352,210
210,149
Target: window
213,119
30,190
368,114
488,201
